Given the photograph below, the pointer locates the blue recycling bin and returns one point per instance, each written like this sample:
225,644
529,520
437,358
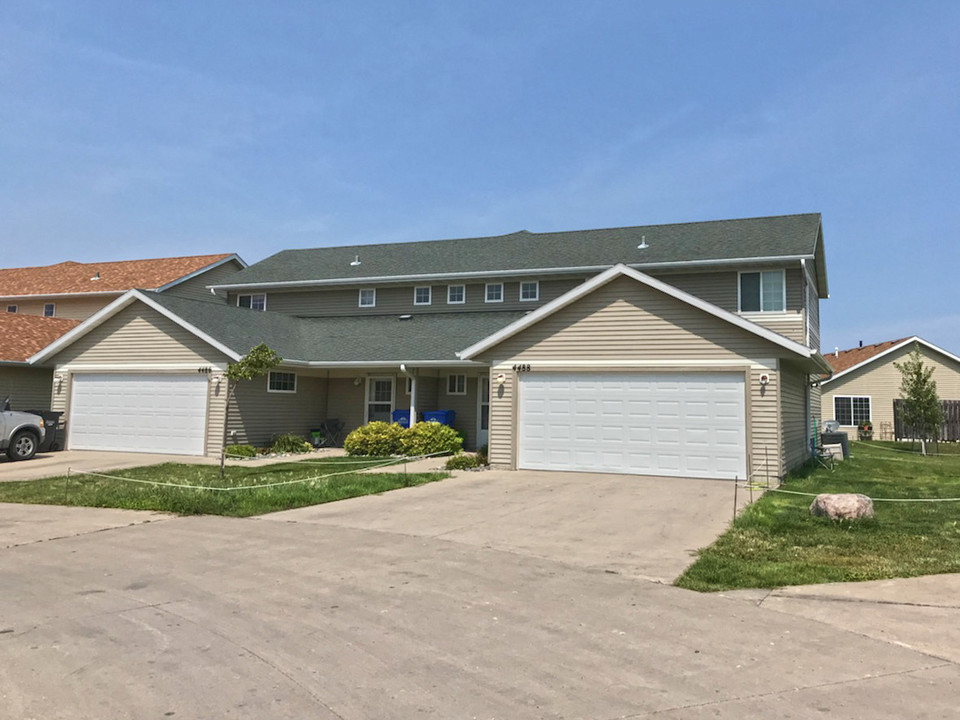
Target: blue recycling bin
401,417
444,417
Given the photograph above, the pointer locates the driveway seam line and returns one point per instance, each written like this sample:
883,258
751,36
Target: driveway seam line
822,598
88,532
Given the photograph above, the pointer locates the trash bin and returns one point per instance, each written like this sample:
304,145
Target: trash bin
53,437
837,438
401,417
444,417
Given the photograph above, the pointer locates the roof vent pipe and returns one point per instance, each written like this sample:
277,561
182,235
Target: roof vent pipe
643,243
861,343
355,261
836,351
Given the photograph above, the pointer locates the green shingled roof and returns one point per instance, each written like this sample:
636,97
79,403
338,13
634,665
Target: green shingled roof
699,242
384,338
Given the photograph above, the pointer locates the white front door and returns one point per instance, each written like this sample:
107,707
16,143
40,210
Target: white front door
483,411
138,413
657,423
379,399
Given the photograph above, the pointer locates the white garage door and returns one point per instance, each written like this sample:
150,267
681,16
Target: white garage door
676,424
138,413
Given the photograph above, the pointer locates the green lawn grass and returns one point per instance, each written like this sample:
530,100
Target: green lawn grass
95,491
776,542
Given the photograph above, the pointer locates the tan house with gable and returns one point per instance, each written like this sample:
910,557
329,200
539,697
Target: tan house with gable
40,304
865,383
686,350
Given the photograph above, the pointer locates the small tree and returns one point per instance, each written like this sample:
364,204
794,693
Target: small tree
921,408
256,363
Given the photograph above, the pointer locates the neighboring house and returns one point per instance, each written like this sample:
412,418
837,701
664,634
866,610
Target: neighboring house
682,350
77,290
27,386
865,383
42,303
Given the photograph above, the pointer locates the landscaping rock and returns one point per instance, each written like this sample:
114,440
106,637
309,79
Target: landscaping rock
842,506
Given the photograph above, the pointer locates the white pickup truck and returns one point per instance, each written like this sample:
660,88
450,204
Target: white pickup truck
20,433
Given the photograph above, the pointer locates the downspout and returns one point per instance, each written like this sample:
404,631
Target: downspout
413,393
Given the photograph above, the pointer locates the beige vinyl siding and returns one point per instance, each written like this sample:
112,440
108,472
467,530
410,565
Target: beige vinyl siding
69,308
465,407
630,322
27,387
790,325
625,316
216,404
500,450
793,418
346,402
718,288
138,335
398,299
813,319
880,380
257,415
196,287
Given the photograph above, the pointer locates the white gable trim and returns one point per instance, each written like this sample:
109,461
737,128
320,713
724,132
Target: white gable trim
893,349
112,309
205,268
622,270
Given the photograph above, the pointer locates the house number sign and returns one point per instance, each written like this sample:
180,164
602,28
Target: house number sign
521,368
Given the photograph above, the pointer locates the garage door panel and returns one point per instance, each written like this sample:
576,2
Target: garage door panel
682,424
138,413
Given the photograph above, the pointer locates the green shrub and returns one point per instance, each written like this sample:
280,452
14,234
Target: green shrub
462,461
290,443
240,451
375,438
427,438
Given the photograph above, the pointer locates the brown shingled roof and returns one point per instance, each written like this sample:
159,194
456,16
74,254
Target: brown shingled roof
846,359
22,336
74,277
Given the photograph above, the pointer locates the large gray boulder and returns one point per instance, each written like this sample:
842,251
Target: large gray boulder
842,506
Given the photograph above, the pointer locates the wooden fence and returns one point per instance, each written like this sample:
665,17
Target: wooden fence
949,428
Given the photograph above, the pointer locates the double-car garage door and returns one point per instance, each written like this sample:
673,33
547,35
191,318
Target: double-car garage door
684,424
138,413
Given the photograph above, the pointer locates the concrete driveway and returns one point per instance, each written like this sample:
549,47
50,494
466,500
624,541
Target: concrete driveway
414,605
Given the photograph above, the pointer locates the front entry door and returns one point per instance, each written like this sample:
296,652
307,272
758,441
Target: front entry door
483,412
379,399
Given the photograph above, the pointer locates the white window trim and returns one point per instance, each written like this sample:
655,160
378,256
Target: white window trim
486,292
252,296
367,402
850,398
429,290
360,297
536,297
282,392
783,299
457,375
53,309
456,302
16,308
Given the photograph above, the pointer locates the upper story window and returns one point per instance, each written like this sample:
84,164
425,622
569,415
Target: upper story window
282,382
494,293
368,297
12,308
422,295
530,290
763,291
49,310
456,294
254,302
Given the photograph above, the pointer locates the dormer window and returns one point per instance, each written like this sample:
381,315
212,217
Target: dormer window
763,291
368,297
422,295
253,302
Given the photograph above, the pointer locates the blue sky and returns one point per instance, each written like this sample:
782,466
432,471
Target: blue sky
131,129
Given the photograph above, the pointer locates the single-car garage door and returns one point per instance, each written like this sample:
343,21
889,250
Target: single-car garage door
138,413
656,423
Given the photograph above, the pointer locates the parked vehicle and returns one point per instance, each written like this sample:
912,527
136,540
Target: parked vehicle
20,432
